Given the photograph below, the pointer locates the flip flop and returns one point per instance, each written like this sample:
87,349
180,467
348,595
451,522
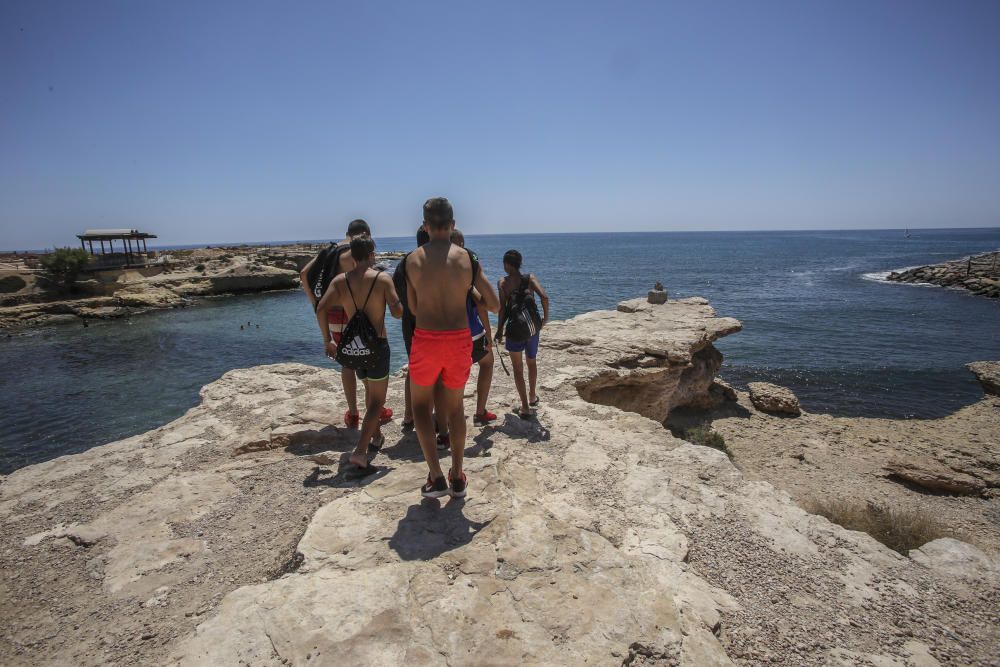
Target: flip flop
375,447
386,416
525,414
534,402
407,426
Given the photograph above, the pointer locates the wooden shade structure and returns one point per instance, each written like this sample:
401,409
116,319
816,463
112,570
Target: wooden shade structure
130,245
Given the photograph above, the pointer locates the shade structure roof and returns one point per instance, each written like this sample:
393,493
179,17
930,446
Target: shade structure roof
106,234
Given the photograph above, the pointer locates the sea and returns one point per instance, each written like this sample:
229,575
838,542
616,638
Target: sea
818,317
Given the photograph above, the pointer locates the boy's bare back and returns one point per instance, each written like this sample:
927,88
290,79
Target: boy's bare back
380,285
439,275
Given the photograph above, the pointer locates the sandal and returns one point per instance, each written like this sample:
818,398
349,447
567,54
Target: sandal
525,414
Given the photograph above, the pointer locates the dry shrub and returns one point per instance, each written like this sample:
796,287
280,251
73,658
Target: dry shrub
899,529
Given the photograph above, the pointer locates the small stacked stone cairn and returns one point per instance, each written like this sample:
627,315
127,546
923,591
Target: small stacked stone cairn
657,294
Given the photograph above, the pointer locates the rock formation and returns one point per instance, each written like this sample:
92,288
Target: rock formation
181,276
590,535
988,374
774,399
979,274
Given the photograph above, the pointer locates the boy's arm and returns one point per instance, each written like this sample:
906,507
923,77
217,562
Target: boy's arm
304,278
391,297
411,294
502,313
537,286
482,283
484,317
328,301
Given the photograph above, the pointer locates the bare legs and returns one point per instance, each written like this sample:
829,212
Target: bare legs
484,382
452,410
532,376
407,406
517,365
350,382
374,401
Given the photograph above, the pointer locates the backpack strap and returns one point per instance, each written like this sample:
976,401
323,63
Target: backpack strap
370,290
351,292
475,265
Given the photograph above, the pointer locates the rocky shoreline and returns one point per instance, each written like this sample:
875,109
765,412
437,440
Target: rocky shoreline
175,280
238,534
979,274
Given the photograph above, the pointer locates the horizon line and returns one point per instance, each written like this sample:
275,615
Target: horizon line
626,232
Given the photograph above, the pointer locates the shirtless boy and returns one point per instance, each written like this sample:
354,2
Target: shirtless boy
369,290
439,275
337,317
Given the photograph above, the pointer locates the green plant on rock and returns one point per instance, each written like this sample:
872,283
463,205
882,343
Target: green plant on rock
10,284
64,264
706,437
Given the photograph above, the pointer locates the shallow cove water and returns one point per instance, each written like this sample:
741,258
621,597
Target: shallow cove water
816,319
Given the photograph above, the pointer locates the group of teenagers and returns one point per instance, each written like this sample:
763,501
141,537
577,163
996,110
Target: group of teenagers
443,297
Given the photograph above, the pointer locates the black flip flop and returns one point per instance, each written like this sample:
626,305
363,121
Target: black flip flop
407,426
534,402
525,415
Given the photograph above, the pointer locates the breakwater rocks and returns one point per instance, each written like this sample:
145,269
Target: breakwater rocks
172,281
239,534
979,274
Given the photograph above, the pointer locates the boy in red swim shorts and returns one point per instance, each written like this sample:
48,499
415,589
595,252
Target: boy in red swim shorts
439,275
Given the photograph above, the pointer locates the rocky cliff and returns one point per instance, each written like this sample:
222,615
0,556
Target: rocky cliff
238,535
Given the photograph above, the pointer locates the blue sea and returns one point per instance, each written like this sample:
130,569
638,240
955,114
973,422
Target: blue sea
817,318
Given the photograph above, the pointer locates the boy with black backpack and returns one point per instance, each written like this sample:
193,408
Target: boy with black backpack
520,323
316,278
363,293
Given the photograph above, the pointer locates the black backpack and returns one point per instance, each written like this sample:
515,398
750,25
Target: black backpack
523,320
359,339
324,269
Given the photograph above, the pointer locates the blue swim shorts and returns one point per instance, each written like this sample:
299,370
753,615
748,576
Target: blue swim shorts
530,346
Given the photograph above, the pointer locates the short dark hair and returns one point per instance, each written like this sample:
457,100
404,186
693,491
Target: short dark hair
513,258
422,236
362,247
438,212
358,227
457,237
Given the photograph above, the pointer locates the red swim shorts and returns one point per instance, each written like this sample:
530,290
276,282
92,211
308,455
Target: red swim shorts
444,354
337,317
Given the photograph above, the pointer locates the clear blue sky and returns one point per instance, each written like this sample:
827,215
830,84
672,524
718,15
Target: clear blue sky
232,121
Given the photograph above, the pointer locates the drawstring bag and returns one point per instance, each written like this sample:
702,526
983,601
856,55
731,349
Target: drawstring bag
357,343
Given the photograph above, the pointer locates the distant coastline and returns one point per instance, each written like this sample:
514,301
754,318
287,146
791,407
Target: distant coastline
172,280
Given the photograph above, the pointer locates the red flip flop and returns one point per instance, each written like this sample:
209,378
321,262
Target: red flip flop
386,416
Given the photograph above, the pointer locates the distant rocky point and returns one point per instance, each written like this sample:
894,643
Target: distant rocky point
171,281
979,274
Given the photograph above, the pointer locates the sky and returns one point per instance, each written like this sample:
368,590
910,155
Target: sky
249,121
